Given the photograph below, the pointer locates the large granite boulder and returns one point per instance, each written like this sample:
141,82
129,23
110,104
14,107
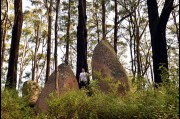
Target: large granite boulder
31,89
105,62
67,81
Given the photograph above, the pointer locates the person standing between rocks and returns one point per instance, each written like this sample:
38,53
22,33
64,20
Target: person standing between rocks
83,78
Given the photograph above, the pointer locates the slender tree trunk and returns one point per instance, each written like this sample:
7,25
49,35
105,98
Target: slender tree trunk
49,42
70,58
3,44
132,59
3,40
56,45
176,24
81,39
137,38
42,69
115,26
103,19
134,40
97,26
68,34
37,70
97,21
131,50
22,64
147,64
14,50
34,72
157,27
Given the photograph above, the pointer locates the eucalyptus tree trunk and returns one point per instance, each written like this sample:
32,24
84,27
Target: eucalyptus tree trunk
157,25
4,34
176,24
55,49
97,26
22,64
14,50
68,34
49,41
115,26
81,39
34,71
96,20
137,38
103,19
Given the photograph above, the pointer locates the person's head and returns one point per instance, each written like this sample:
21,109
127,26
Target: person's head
83,70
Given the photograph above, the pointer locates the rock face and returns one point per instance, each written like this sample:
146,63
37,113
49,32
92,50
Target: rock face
67,81
32,90
105,62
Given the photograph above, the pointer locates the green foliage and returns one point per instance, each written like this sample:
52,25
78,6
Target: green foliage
141,103
14,107
146,102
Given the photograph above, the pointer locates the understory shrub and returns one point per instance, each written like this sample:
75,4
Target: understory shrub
141,102
15,107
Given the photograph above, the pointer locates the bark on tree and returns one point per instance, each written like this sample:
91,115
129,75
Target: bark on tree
81,39
22,64
14,50
132,58
176,24
133,46
34,71
137,38
3,44
96,20
103,19
97,26
49,42
157,25
55,49
44,60
68,34
115,26
4,32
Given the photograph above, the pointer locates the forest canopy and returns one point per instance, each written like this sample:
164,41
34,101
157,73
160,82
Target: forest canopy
125,25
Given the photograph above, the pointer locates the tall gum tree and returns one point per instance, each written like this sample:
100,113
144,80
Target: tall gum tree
81,39
157,25
4,32
14,50
115,25
103,19
49,41
68,33
56,45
